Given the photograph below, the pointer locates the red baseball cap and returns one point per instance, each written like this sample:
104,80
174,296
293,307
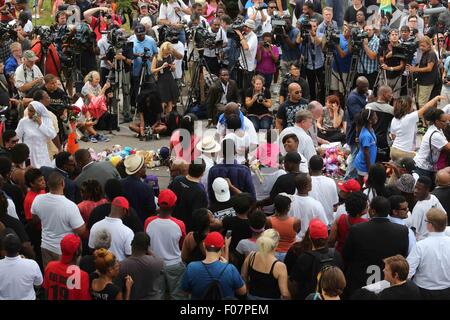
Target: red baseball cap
351,185
69,247
214,240
167,198
121,202
318,229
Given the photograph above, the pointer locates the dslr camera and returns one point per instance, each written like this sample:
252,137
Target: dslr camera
278,24
260,98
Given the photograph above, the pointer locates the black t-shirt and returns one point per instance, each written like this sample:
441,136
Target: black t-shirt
443,194
220,210
56,100
110,292
392,62
99,213
240,228
303,84
149,103
350,14
284,183
17,197
258,108
288,109
428,78
87,263
190,197
406,291
15,225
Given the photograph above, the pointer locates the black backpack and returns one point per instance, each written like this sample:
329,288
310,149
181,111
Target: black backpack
214,289
321,262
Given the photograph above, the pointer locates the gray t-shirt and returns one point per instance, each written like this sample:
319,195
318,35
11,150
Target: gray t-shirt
145,272
246,246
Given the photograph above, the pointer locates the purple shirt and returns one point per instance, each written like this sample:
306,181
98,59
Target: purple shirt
267,65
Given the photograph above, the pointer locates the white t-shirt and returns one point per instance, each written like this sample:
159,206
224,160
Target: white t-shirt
103,47
221,35
250,54
248,127
242,142
325,191
167,11
267,25
305,143
179,47
405,130
425,159
258,21
12,212
306,209
18,276
59,217
121,236
418,216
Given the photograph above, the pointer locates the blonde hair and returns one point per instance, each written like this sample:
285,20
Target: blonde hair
426,40
15,45
268,241
164,47
104,260
90,76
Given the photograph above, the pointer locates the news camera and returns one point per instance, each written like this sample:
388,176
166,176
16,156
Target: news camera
358,36
8,31
238,24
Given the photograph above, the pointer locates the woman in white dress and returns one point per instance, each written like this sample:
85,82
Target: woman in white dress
35,131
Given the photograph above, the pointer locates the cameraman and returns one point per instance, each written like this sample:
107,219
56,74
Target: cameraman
312,54
247,58
214,56
341,62
172,13
144,49
289,49
294,77
327,22
427,71
258,13
368,63
393,66
52,62
106,18
308,11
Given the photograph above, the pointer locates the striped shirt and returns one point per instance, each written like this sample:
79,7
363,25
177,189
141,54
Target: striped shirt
370,66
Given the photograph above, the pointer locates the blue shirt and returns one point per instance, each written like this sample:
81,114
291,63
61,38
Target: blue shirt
140,196
196,279
10,65
367,65
138,48
355,104
344,63
338,11
287,53
367,139
315,50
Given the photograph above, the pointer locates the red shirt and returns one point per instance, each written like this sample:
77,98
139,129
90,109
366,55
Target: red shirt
29,198
103,25
50,65
344,225
87,206
56,277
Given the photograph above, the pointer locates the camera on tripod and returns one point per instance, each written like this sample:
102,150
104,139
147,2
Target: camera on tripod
406,50
238,24
117,39
7,31
305,24
203,38
46,34
358,36
278,24
332,37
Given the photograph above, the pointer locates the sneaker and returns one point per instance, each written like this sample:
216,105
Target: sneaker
92,139
102,138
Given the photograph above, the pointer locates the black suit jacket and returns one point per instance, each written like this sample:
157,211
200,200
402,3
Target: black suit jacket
216,91
367,245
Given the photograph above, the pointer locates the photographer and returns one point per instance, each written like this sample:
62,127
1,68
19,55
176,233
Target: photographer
52,62
267,58
393,66
341,62
106,18
258,13
58,98
313,58
328,21
214,56
368,64
171,14
293,77
144,49
427,71
258,102
28,75
289,49
247,58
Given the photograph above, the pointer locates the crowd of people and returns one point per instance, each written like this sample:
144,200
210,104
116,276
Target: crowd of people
249,212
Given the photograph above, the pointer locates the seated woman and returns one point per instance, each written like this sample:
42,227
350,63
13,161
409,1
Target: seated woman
94,100
183,141
331,124
258,102
149,108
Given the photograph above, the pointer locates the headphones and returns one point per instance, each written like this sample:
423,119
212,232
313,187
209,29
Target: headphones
90,76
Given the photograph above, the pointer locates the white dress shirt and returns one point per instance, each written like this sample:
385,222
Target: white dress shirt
411,236
418,216
429,262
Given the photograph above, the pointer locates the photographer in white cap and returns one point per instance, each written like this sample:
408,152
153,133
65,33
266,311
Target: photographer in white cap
247,59
28,74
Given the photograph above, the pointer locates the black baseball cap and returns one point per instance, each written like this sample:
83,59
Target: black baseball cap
407,163
139,29
293,157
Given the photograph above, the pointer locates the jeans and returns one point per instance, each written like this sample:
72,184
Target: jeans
267,79
351,172
182,37
265,123
171,281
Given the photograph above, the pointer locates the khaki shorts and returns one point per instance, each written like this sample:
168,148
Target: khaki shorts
48,256
336,83
423,94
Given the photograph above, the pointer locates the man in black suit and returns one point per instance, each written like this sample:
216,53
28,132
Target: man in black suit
369,243
221,92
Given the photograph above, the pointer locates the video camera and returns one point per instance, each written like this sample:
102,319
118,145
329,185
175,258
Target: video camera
7,31
305,24
358,36
332,37
81,38
117,39
9,9
203,38
46,34
406,50
278,24
238,24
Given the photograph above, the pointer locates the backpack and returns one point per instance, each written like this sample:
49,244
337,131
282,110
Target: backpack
214,290
173,122
321,262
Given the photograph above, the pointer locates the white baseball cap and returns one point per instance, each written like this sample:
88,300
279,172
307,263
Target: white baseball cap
221,190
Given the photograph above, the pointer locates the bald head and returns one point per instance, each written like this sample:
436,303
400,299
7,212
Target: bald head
293,86
295,92
362,85
385,93
443,177
316,109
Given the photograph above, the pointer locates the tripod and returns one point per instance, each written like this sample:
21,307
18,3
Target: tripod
194,91
356,59
145,71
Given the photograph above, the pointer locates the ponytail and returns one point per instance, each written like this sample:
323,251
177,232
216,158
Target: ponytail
268,241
